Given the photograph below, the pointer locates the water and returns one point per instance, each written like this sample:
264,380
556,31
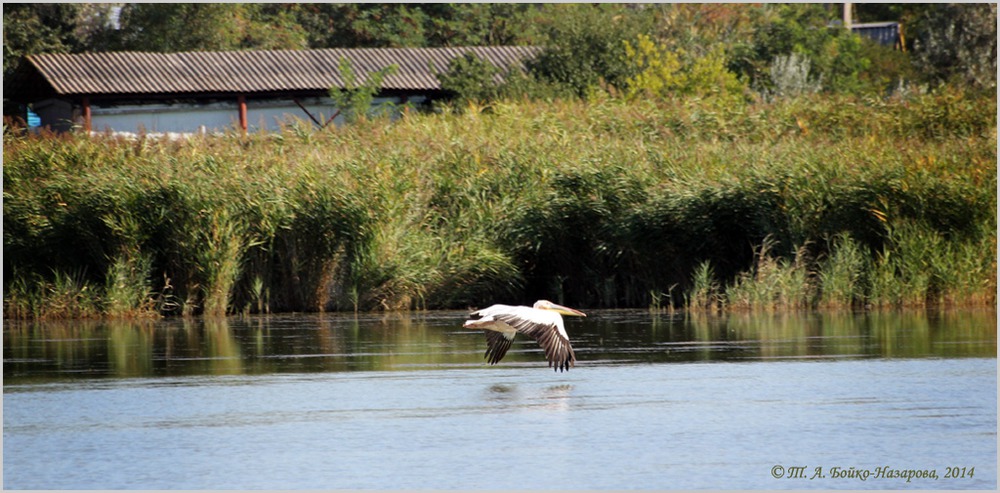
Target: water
404,401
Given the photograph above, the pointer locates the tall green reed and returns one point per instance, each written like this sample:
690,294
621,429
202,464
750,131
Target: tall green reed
841,273
601,204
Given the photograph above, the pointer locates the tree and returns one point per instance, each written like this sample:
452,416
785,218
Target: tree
481,24
583,46
168,27
354,101
958,42
415,25
272,27
97,26
32,28
368,25
700,28
469,78
661,72
835,54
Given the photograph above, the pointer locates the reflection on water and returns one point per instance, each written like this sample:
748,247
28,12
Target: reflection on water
324,343
513,397
373,402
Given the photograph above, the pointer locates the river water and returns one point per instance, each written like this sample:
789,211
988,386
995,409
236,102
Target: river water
656,401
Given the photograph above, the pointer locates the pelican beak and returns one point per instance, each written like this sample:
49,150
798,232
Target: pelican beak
566,310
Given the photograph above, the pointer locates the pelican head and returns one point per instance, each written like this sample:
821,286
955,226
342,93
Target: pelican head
548,305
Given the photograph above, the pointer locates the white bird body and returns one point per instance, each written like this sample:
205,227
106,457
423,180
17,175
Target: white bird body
541,322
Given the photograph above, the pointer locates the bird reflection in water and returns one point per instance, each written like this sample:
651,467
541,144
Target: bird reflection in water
511,396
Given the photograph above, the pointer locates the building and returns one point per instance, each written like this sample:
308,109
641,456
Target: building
883,33
194,92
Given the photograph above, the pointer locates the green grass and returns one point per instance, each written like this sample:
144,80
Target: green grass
816,202
703,294
773,283
840,273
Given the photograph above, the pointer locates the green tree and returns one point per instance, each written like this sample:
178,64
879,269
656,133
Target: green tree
584,46
270,27
662,72
958,42
32,28
698,29
170,27
481,24
97,26
368,25
416,25
470,78
178,26
834,53
354,101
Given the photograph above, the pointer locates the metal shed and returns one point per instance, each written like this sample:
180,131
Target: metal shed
883,33
209,91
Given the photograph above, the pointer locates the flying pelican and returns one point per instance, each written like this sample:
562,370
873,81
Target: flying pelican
540,321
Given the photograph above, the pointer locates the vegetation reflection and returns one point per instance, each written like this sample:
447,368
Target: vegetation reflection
44,351
828,334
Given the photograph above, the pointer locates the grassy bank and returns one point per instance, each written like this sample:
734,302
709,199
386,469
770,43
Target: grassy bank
828,202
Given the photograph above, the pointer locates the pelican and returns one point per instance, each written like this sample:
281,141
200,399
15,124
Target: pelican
540,321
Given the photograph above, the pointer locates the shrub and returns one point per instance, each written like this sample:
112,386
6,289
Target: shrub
958,42
470,79
584,48
835,53
660,72
790,75
354,100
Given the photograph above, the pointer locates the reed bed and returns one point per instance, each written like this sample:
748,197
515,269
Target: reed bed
816,202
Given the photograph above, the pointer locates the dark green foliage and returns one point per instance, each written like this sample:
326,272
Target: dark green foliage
470,79
957,43
719,224
585,47
206,27
574,242
309,257
31,28
835,53
414,25
889,69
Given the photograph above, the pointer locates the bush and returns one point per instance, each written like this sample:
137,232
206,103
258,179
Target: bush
584,48
354,100
470,79
660,72
835,54
790,75
958,43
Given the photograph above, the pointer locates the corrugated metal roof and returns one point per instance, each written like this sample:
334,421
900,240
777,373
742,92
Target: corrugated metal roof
253,71
884,33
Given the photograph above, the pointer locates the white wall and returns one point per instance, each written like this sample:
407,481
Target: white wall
215,117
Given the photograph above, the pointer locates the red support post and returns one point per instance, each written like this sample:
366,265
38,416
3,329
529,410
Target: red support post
243,111
86,115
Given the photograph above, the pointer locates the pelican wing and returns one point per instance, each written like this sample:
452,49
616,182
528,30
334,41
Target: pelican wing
497,344
543,326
